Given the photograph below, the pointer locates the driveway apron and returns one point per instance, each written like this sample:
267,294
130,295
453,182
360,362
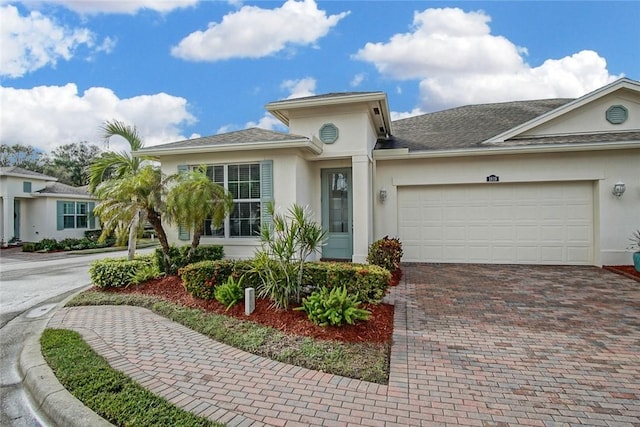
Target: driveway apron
472,345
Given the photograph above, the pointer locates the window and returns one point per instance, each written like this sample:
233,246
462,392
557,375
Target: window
26,187
75,215
244,183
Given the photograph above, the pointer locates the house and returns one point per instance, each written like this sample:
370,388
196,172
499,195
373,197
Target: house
529,182
34,206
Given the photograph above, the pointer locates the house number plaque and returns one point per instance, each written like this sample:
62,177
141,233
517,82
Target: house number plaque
493,178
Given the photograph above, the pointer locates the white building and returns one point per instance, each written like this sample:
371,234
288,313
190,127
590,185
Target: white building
518,182
33,206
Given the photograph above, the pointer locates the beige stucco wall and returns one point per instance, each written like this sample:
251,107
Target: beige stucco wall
592,117
615,218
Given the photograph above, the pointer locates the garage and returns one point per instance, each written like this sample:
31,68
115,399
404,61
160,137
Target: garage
500,223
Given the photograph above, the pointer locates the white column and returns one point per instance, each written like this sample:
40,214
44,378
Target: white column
362,224
7,219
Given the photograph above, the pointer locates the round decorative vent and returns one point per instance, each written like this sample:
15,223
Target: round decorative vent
617,114
328,133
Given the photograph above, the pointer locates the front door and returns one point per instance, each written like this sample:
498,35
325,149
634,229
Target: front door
16,219
337,209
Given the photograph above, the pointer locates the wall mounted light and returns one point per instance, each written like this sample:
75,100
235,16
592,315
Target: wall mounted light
618,189
383,195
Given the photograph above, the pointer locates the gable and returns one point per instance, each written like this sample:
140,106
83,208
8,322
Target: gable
591,118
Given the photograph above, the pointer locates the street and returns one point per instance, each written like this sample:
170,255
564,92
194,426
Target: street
31,288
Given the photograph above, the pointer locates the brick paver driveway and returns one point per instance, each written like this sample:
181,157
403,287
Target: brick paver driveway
523,345
472,345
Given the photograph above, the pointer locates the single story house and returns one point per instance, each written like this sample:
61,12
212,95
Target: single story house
34,206
553,181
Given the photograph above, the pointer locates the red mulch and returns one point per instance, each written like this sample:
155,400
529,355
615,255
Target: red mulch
625,270
379,327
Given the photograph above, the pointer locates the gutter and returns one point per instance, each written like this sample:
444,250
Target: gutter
309,144
403,153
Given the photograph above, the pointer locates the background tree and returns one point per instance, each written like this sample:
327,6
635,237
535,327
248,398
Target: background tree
70,162
194,198
24,156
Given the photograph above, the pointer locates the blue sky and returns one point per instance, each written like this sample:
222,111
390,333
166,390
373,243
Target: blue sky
183,68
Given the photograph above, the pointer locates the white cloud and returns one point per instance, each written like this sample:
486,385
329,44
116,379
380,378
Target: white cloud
300,88
254,32
398,115
35,41
49,116
458,61
124,7
357,79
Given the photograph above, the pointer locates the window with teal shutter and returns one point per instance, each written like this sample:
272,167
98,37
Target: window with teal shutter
92,218
59,215
183,232
26,187
266,193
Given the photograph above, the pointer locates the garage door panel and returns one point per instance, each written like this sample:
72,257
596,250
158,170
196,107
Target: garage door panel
547,223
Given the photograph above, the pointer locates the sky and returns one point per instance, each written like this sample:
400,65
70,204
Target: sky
179,69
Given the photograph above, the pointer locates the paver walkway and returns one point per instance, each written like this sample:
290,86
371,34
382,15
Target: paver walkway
473,345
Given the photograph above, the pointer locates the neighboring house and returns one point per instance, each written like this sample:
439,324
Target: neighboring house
515,182
33,206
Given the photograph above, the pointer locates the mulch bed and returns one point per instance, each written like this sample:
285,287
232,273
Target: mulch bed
379,327
626,270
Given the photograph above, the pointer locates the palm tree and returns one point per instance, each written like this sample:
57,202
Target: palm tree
130,190
193,199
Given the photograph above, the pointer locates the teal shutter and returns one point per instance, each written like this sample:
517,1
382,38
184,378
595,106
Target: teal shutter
183,232
266,192
92,218
60,215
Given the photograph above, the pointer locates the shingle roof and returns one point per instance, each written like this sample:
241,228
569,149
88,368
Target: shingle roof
60,188
464,127
244,136
11,170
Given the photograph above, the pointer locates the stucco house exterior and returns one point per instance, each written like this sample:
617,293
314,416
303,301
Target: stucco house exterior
34,206
527,182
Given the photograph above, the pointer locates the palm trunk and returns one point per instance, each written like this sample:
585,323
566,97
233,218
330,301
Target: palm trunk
156,222
133,235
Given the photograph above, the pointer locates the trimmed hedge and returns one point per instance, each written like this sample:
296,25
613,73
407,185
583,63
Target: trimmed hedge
369,282
200,279
178,256
116,272
68,244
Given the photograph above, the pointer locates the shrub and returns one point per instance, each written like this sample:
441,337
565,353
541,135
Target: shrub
47,245
93,235
117,272
369,282
29,247
178,256
286,245
145,272
333,307
386,253
201,278
229,293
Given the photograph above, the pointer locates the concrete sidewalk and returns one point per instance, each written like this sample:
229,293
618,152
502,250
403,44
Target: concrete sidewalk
472,345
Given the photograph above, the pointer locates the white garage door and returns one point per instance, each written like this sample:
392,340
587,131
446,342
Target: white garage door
527,223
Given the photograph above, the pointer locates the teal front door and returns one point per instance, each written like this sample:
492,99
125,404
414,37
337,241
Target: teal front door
16,219
337,202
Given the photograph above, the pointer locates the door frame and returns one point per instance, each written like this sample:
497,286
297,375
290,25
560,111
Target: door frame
324,202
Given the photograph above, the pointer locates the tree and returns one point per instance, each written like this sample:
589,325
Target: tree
130,190
70,162
193,199
24,156
131,200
